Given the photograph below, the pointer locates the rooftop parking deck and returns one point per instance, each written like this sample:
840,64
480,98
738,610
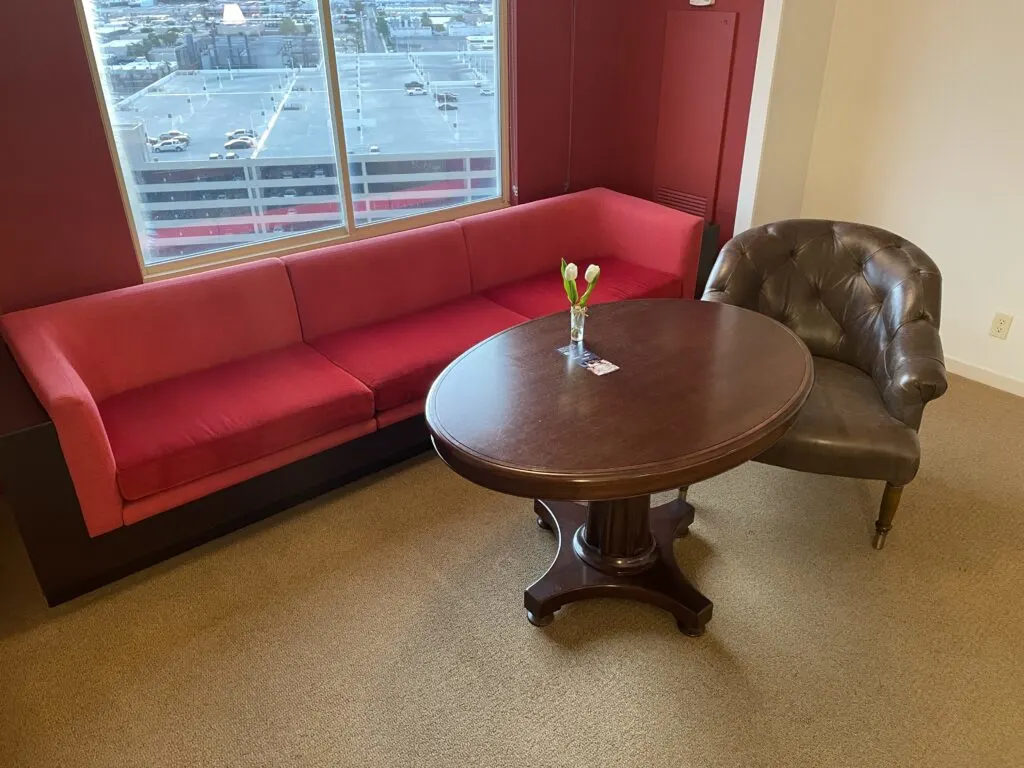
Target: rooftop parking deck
290,113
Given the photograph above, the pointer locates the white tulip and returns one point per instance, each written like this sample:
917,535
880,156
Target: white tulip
571,271
592,273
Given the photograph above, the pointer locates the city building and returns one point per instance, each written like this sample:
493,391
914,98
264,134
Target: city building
129,78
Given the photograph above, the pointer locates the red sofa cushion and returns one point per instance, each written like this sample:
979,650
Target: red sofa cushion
125,339
526,240
400,358
588,227
172,432
544,294
368,281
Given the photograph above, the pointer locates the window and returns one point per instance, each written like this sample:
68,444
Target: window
230,128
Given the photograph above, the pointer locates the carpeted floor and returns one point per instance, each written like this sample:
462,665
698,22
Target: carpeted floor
383,625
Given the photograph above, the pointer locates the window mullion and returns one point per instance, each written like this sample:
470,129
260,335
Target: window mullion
334,95
503,77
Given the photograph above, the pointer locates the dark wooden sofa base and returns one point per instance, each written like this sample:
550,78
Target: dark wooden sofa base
35,481
69,563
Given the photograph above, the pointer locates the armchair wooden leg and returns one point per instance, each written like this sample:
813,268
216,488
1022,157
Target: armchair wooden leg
890,502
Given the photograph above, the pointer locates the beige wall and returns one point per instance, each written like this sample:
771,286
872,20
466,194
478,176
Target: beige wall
921,131
791,61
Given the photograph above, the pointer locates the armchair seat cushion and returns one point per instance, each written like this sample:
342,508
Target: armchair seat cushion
845,429
400,358
175,431
544,295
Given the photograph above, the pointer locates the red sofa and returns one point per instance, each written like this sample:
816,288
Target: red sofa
167,392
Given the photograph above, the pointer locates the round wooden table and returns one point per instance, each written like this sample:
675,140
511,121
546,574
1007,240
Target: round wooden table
701,388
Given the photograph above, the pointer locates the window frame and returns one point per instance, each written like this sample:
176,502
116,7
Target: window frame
337,235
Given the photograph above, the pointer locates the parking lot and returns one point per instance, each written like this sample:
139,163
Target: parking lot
291,116
398,123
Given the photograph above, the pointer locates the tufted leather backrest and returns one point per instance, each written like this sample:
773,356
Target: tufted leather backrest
853,293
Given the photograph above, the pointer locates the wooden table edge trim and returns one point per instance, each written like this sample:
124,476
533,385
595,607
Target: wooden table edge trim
708,453
535,482
561,487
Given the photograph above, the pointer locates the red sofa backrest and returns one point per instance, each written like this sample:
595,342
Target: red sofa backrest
526,240
131,337
367,281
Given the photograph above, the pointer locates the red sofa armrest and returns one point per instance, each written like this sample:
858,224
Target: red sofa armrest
651,235
73,410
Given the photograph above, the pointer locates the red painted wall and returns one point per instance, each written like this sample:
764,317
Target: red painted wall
615,95
695,77
616,84
64,228
540,92
748,33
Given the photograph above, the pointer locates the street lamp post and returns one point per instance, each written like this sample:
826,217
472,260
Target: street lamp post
252,123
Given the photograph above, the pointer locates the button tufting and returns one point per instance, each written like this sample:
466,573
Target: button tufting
849,291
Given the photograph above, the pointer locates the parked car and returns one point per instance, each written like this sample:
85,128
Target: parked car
374,149
290,193
446,96
152,141
417,92
170,145
486,91
231,156
446,107
244,142
239,133
215,156
179,135
414,84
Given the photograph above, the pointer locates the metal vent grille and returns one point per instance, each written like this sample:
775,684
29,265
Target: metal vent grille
682,201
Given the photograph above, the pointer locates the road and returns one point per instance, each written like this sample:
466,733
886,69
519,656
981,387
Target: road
374,42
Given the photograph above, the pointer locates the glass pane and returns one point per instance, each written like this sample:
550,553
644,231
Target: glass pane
419,92
222,122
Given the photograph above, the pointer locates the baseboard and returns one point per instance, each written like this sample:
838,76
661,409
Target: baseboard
985,376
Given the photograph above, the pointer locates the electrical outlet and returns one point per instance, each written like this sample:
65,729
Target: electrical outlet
1001,325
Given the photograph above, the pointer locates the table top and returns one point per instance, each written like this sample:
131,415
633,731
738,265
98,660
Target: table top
701,388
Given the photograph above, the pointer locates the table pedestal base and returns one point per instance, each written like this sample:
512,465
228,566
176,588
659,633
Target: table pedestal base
618,549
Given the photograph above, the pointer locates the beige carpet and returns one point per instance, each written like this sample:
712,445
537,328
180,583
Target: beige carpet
383,625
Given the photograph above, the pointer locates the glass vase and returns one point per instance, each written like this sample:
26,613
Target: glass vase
577,317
